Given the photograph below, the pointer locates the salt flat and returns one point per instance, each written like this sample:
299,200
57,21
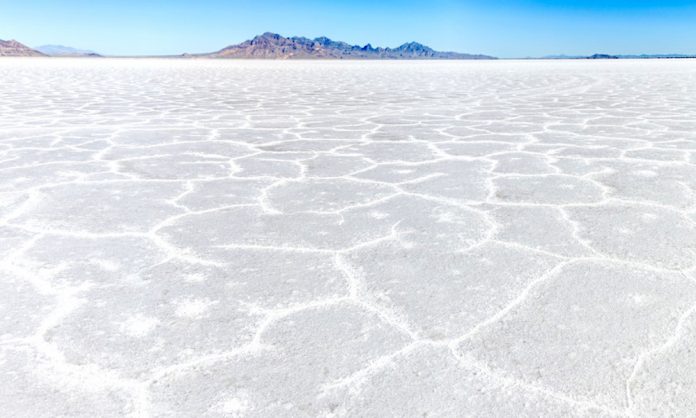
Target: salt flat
246,238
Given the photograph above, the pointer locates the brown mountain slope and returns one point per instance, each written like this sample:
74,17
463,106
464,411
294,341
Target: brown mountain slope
13,48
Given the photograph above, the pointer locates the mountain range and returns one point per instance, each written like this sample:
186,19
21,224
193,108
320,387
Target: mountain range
607,56
13,48
273,46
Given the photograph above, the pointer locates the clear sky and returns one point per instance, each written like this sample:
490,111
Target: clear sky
505,28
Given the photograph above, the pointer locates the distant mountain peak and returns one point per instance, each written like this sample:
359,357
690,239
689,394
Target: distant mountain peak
323,40
65,51
603,57
413,45
271,45
416,49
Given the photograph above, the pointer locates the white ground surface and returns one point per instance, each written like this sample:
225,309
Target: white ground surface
199,238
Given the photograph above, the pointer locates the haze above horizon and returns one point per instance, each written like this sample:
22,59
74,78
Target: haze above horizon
504,28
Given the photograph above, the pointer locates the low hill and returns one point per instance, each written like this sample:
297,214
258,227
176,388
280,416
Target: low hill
65,51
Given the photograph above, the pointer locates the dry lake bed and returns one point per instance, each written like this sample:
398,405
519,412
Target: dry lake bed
187,238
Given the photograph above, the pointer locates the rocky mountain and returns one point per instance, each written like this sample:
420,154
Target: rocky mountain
13,48
65,51
274,46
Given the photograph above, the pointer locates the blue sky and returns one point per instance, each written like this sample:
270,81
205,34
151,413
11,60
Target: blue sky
505,28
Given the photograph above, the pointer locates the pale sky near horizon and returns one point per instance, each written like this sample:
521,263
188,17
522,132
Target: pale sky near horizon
504,28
